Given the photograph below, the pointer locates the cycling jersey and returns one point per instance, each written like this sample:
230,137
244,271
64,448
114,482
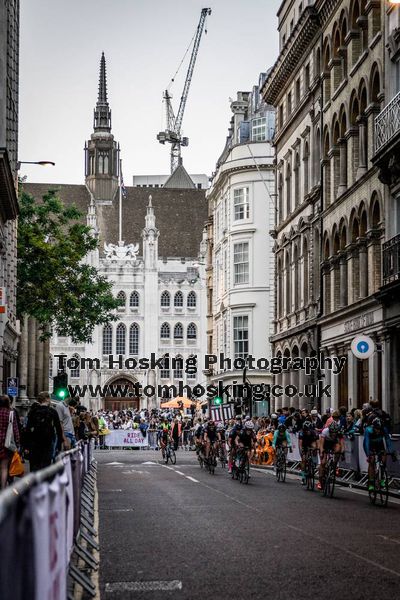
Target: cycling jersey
246,437
222,434
376,441
279,438
164,430
211,433
308,438
330,441
236,429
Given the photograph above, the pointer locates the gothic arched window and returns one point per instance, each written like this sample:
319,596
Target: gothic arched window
165,299
191,331
107,339
165,331
178,332
191,300
134,300
122,299
120,339
76,372
178,299
134,339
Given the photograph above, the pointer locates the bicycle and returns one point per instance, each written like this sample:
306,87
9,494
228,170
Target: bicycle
222,454
380,476
310,468
169,454
241,466
280,464
211,461
329,473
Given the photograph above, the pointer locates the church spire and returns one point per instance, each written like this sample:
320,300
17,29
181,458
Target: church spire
102,112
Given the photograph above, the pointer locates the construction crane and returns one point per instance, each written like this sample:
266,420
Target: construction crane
172,133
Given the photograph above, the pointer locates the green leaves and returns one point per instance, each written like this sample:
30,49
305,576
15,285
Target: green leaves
55,285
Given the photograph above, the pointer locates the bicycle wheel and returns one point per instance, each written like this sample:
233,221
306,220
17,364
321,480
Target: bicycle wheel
172,456
383,486
283,473
327,480
246,475
166,457
310,475
278,467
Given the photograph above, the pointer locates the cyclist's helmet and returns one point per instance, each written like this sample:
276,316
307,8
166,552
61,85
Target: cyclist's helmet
249,425
307,425
282,428
334,428
377,423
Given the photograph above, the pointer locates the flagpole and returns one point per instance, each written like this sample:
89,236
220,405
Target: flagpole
120,201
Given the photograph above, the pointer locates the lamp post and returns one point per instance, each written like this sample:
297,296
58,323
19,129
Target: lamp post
42,163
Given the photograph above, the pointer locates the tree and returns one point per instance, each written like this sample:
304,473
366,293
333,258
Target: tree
54,284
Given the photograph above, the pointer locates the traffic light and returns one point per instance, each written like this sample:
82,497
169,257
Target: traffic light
217,401
60,386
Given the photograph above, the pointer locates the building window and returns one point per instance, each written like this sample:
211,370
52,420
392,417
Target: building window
134,339
191,300
191,331
289,104
103,163
241,204
164,373
178,332
241,336
107,339
297,92
165,299
307,78
178,371
241,262
134,300
120,339
122,299
259,129
178,300
75,373
281,116
165,331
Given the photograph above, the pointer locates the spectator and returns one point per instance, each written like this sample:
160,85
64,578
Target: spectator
5,453
44,433
64,414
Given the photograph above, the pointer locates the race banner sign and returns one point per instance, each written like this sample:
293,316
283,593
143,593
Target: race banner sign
121,438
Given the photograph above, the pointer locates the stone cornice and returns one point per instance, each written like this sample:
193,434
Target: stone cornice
285,66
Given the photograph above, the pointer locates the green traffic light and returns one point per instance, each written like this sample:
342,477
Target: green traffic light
217,400
62,393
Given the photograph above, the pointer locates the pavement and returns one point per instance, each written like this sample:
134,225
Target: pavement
180,533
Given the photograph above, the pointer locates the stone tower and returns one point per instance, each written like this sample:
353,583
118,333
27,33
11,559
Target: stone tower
101,151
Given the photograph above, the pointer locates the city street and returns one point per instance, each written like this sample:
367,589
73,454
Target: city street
179,532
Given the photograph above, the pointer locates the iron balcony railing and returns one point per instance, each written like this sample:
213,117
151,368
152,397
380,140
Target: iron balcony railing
391,260
387,123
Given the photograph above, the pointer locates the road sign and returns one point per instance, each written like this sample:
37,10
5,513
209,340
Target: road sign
12,386
362,346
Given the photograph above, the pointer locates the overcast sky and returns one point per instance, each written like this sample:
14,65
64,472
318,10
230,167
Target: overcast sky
144,42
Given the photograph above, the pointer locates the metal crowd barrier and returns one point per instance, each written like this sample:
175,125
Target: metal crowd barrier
47,536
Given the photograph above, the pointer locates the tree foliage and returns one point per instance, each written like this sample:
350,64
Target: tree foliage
54,284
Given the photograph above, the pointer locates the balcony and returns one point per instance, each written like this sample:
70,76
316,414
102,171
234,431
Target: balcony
387,123
391,260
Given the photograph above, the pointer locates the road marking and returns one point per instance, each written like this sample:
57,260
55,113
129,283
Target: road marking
389,539
121,510
192,479
111,490
143,586
111,464
180,473
149,462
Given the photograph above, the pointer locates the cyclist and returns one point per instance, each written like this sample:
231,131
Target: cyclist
331,440
231,441
376,441
164,434
198,436
281,439
210,437
245,439
221,438
307,441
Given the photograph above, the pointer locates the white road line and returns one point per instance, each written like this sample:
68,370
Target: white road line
192,479
180,473
111,491
143,586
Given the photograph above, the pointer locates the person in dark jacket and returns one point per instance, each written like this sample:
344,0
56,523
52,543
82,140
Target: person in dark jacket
44,434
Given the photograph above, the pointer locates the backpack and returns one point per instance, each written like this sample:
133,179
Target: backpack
41,426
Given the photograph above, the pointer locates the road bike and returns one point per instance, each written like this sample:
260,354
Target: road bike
222,454
310,468
211,461
169,454
329,473
241,466
280,464
380,481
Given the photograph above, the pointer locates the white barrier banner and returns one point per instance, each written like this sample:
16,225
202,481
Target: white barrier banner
128,437
295,454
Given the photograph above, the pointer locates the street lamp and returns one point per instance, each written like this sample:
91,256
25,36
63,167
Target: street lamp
42,163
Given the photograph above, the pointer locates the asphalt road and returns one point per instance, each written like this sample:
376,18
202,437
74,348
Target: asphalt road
184,534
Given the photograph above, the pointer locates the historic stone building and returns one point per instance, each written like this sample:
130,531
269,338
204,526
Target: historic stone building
240,268
153,250
339,48
9,74
387,158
